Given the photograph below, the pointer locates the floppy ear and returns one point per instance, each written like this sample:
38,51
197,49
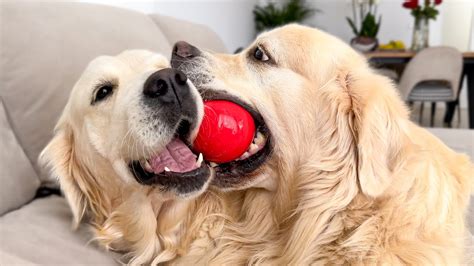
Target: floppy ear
377,125
58,156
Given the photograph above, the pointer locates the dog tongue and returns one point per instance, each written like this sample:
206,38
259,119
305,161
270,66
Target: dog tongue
177,157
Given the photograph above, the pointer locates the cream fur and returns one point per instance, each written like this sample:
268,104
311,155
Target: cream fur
89,152
350,181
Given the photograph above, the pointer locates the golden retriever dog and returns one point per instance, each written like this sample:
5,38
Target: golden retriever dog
120,153
339,174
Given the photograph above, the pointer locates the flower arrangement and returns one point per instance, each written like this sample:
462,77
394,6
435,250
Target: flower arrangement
427,11
422,14
364,14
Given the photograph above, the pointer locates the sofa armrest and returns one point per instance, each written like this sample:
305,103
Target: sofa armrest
196,34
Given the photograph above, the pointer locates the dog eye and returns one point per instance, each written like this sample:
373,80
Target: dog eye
103,92
260,55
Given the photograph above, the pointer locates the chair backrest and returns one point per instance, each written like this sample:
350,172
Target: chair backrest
434,63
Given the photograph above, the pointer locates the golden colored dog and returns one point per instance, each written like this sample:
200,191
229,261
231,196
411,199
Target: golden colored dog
344,177
120,155
337,172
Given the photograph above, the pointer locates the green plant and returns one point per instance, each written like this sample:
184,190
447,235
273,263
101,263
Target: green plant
271,15
369,27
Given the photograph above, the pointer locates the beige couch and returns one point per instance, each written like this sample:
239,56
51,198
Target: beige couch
44,47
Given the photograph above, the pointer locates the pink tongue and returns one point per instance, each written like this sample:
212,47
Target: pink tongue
177,157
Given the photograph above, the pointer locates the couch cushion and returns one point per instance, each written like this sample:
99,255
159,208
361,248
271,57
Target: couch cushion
44,48
18,179
460,140
41,233
198,35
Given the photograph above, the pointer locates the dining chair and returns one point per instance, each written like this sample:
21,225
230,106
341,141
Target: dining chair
432,75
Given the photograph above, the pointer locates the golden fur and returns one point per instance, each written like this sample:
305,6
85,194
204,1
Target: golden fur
88,154
350,181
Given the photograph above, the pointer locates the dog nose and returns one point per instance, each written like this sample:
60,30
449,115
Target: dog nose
185,50
167,85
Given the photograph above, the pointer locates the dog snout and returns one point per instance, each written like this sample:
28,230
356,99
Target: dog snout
182,52
185,50
166,85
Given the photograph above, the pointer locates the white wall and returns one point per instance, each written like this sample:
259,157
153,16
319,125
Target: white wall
231,20
450,28
456,26
471,39
453,26
457,29
141,6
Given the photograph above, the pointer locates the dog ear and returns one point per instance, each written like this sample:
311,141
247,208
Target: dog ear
58,156
378,114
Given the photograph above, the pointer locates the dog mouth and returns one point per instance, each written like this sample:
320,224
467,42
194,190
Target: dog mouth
236,173
176,167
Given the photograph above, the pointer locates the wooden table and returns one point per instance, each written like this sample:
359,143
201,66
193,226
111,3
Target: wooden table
402,57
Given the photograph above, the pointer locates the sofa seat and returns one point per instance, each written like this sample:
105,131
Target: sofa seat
460,140
48,44
41,233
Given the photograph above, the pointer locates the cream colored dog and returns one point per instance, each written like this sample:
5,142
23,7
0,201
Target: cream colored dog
121,157
339,174
336,173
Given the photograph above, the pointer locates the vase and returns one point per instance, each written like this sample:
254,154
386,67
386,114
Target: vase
364,44
421,34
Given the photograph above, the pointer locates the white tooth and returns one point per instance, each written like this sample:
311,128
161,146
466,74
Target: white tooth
244,156
148,167
213,164
259,139
167,169
199,160
253,148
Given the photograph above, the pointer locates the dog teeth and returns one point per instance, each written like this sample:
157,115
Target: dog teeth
212,164
199,160
147,166
167,169
259,139
253,148
244,156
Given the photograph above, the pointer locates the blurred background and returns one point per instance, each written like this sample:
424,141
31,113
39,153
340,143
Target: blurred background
425,46
400,26
234,21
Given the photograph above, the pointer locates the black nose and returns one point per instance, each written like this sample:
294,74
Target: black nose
185,50
167,85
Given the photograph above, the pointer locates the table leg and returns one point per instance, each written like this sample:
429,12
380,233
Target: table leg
469,70
450,109
451,106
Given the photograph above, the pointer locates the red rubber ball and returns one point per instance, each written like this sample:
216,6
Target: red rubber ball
226,131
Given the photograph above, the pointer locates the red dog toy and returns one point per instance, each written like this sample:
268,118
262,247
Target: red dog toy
226,131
